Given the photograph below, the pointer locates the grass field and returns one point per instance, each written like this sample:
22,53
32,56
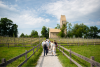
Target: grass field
84,50
31,41
12,52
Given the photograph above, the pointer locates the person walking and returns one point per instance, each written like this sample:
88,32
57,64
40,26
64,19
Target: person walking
51,44
54,48
44,45
47,42
55,44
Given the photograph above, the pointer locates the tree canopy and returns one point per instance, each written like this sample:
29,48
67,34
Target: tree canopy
7,28
34,33
45,32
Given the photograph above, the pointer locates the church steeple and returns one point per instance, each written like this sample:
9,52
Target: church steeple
63,21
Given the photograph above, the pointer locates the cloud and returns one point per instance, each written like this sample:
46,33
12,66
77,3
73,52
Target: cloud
74,10
93,23
25,19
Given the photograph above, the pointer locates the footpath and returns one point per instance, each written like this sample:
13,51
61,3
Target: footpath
48,60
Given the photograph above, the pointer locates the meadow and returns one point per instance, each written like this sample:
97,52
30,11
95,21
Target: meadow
12,52
84,50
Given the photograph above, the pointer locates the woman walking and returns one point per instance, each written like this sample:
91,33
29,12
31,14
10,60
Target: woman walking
54,48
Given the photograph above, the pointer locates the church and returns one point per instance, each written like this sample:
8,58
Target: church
53,32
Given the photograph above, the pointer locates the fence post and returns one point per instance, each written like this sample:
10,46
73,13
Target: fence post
8,45
26,56
37,48
63,51
14,40
92,58
94,43
68,44
59,47
33,50
70,56
4,61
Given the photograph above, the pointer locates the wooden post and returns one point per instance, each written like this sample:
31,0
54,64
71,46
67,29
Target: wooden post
70,55
63,51
59,47
31,40
68,44
94,43
23,41
92,58
33,50
26,55
8,45
14,41
4,61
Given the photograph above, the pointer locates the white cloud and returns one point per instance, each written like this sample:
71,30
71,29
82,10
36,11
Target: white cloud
74,10
93,23
25,19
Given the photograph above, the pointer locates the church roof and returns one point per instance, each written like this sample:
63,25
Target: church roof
63,18
54,30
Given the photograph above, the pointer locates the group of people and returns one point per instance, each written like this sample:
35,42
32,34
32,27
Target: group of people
47,44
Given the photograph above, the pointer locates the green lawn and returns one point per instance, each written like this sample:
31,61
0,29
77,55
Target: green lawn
12,52
84,50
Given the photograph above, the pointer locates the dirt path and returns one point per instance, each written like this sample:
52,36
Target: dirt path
48,61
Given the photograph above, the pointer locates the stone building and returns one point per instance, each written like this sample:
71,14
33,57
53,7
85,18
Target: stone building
53,32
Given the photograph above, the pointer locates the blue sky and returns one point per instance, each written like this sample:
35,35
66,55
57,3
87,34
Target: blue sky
34,14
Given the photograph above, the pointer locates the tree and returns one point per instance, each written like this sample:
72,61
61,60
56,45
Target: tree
22,35
80,30
69,28
93,31
34,33
44,32
7,28
58,26
61,33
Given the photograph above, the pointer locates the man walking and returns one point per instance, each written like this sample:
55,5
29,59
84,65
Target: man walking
47,42
44,45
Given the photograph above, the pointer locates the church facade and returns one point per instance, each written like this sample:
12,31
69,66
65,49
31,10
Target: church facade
53,32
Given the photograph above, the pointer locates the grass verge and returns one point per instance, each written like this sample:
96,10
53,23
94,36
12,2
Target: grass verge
12,52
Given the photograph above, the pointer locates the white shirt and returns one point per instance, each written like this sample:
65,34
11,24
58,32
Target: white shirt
43,43
47,43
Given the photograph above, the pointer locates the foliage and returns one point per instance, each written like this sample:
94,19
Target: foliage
58,26
69,28
80,30
22,35
34,33
7,28
61,33
93,31
45,32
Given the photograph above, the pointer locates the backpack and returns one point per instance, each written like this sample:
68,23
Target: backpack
45,45
55,43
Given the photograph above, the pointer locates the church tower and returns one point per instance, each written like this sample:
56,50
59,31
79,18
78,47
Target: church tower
63,21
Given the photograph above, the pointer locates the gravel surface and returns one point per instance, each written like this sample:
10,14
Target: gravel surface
48,60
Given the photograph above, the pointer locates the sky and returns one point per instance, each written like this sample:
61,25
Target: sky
34,14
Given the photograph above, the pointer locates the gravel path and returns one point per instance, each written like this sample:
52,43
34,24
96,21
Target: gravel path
48,61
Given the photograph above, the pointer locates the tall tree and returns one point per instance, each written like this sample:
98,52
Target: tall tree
44,32
80,30
69,28
7,28
34,33
58,26
93,31
61,33
22,35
